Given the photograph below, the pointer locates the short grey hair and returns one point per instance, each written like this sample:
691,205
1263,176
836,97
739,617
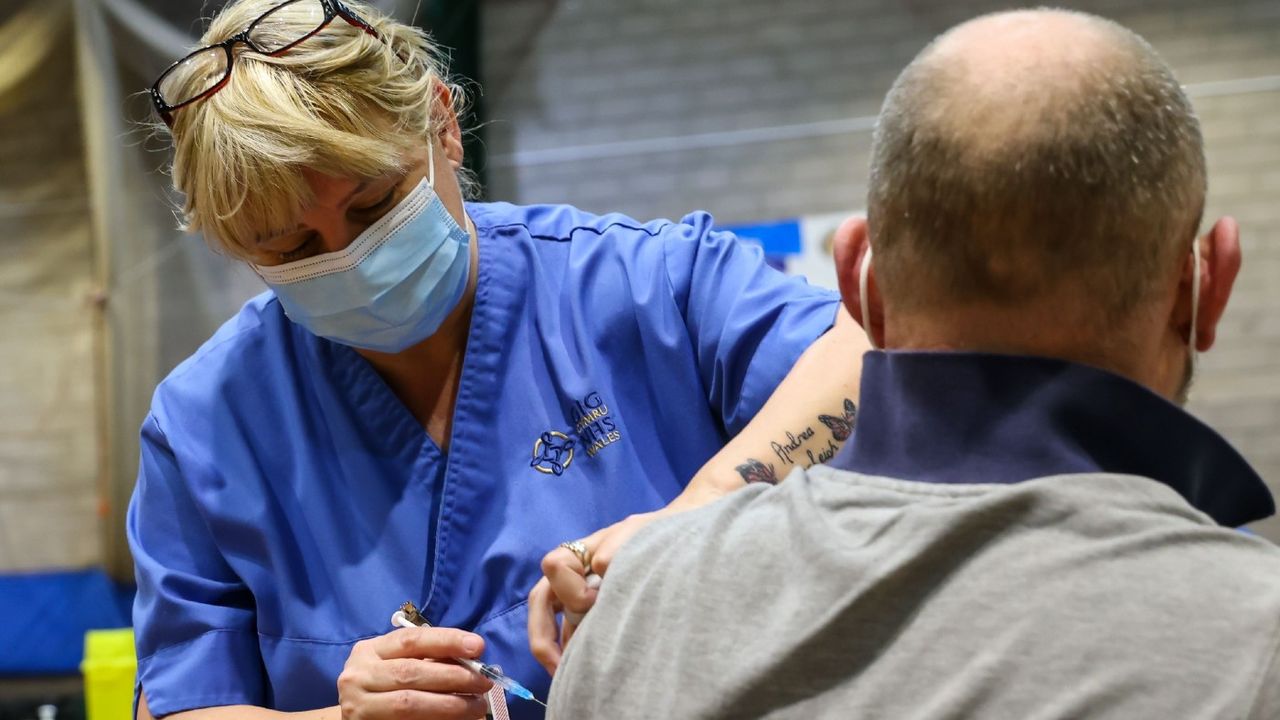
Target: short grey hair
1098,180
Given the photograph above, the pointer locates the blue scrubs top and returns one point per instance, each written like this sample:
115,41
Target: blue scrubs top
288,502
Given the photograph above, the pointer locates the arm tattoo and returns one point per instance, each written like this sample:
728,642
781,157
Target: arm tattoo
841,426
754,471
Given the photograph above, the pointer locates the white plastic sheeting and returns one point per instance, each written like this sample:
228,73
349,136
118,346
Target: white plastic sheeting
48,433
100,295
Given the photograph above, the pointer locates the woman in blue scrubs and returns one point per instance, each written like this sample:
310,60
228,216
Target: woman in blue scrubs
431,395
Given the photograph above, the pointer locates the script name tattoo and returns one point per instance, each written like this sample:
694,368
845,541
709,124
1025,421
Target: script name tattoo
788,449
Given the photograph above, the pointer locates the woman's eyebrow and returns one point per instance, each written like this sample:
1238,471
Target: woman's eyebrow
364,185
277,234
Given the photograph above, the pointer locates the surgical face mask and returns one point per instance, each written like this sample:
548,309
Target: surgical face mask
392,287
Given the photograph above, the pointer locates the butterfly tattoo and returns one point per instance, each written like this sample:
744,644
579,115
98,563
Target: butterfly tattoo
841,427
754,471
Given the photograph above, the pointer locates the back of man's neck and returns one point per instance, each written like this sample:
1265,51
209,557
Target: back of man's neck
1013,333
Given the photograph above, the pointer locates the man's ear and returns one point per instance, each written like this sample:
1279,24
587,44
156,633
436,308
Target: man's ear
450,131
849,246
1220,260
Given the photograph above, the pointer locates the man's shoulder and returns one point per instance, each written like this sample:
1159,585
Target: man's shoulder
1145,520
1140,531
703,528
1152,523
710,549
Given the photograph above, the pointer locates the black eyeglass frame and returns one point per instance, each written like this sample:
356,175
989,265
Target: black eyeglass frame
332,9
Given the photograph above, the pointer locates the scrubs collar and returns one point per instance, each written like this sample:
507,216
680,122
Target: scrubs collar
979,418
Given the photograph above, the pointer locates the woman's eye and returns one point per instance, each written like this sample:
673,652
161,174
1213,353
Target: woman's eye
386,200
299,252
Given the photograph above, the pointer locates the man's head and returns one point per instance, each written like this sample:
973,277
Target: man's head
1037,180
300,151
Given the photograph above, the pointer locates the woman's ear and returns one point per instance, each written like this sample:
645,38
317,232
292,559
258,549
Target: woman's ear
450,130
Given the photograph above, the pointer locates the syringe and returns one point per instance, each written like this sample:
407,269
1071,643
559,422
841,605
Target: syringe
408,616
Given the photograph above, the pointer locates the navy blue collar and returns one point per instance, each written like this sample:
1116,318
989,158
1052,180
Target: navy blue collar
975,418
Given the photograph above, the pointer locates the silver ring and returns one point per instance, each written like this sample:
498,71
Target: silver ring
578,548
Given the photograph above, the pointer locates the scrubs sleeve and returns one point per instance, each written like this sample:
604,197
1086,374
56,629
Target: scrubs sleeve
749,322
193,618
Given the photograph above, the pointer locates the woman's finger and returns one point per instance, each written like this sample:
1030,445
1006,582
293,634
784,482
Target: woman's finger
615,536
566,575
609,544
418,705
573,620
425,675
567,629
543,632
428,642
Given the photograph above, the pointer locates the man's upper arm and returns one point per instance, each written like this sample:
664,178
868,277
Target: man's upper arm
748,322
1267,704
193,618
618,652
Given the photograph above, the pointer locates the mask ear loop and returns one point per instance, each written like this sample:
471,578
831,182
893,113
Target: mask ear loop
1195,304
431,180
864,293
431,164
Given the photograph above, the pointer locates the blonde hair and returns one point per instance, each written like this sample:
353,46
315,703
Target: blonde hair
342,103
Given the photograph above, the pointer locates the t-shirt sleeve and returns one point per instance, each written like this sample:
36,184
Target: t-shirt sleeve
749,322
622,647
194,621
1266,705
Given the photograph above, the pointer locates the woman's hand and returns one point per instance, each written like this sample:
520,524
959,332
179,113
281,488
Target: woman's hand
569,588
407,674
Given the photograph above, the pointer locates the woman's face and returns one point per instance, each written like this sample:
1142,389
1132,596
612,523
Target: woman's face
344,207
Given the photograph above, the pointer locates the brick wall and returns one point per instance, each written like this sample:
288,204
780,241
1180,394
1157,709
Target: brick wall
757,109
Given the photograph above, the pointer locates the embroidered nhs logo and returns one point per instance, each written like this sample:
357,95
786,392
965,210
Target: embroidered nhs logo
595,429
552,453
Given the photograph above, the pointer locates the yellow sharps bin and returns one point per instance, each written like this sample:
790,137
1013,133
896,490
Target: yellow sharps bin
109,668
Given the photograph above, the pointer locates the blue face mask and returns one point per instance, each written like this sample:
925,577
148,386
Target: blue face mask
392,287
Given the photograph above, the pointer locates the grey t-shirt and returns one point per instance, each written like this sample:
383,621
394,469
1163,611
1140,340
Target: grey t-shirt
837,595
